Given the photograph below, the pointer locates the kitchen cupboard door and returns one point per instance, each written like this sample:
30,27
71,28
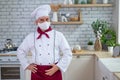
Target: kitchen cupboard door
106,74
101,72
81,68
98,74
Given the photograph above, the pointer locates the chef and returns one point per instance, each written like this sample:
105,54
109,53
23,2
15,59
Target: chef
46,45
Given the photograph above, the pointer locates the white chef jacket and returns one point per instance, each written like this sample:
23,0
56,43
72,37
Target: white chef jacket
42,50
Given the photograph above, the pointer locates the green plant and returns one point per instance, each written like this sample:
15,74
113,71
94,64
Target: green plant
110,43
109,38
99,26
117,44
90,43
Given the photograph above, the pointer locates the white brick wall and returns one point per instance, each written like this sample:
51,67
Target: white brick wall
16,22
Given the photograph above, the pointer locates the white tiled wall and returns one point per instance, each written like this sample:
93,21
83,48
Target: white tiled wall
16,22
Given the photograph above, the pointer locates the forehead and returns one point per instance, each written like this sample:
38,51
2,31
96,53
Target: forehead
43,17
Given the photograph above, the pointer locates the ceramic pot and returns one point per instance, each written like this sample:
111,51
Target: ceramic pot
110,49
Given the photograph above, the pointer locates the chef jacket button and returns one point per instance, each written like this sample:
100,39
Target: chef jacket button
49,63
40,63
47,44
40,54
39,45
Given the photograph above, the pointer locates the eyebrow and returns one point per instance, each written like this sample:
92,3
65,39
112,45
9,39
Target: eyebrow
44,18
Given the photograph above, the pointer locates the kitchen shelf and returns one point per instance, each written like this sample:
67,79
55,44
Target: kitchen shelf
65,23
86,5
79,6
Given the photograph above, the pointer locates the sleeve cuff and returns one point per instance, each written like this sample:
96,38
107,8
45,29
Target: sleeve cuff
25,66
63,70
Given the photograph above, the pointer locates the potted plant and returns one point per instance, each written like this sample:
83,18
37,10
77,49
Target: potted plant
99,27
90,45
109,38
110,44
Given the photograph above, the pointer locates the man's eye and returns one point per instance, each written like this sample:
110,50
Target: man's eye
41,20
46,19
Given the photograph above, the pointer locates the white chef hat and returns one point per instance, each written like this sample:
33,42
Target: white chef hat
42,10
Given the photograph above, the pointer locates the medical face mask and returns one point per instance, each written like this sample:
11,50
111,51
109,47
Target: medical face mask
44,25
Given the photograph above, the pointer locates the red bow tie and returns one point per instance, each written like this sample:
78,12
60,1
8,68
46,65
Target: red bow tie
43,32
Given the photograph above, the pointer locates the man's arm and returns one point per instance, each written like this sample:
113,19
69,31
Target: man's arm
67,54
22,51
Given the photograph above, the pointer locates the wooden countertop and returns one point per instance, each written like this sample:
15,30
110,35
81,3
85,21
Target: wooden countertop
118,75
100,54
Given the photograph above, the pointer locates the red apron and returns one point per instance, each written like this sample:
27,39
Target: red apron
40,74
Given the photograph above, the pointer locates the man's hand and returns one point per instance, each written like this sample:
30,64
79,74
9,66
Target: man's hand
51,71
32,67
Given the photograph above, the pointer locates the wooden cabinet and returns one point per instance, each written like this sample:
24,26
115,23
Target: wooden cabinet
81,68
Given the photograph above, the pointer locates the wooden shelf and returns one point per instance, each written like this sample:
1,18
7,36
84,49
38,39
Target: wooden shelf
86,5
79,6
65,23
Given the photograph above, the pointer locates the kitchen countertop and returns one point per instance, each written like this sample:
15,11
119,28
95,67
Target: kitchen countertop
112,64
99,54
118,75
12,53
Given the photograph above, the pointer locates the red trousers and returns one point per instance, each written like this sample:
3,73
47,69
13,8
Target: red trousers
40,74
